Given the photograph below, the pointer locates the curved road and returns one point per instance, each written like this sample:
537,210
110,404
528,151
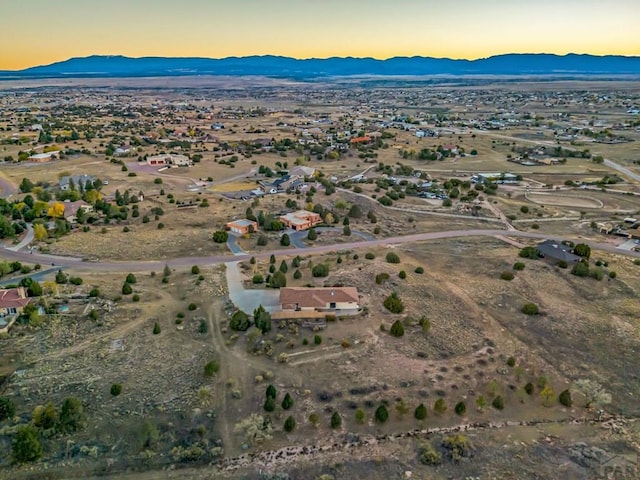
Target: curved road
158,265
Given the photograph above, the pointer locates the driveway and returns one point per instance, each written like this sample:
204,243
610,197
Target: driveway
28,238
248,300
232,244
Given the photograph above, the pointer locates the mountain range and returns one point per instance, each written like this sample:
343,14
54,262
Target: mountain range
276,66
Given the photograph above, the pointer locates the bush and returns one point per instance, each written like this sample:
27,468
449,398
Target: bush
381,278
131,279
402,274
447,202
429,455
297,275
530,309
271,392
75,281
278,280
71,416
524,209
420,412
397,330
269,404
498,403
239,321
528,252
257,279
317,339
580,269
220,236
195,270
565,398
440,406
289,424
392,257
126,289
312,234
562,264
519,266
94,292
369,256
613,274
507,276
116,389
285,241
287,402
320,270
135,298
156,328
382,414
511,361
336,420
529,388
460,408
7,408
203,327
393,303
26,446
211,368
262,241
419,270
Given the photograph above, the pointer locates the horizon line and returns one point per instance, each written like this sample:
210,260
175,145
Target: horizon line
323,58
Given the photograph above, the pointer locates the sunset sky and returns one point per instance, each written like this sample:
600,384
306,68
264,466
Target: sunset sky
36,32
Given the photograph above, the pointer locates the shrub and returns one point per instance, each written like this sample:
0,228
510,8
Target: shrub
135,298
71,416
211,368
565,398
75,281
420,412
271,392
289,424
269,404
195,270
317,339
530,309
528,252
297,274
262,241
511,361
278,280
7,408
312,234
498,403
507,276
369,256
447,202
95,292
126,289
381,278
613,274
402,274
220,236
519,266
397,330
192,307
382,414
460,408
320,270
524,209
440,406
257,278
26,446
131,279
285,241
287,402
529,388
160,226
360,415
419,270
392,257
562,264
429,455
156,328
393,303
580,269
203,327
336,420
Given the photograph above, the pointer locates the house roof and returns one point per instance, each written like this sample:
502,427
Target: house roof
243,222
317,297
13,298
557,251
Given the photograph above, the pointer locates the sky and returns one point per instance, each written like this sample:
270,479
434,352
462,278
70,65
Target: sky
37,32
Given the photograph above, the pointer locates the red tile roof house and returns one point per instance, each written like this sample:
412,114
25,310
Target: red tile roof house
300,220
319,299
12,302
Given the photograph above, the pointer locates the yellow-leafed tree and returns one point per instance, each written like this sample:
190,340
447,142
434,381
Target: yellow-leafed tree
40,232
92,196
56,210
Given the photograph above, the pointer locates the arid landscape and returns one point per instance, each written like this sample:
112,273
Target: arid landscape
257,278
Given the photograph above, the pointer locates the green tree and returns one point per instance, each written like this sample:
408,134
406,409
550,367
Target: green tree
71,416
287,402
393,303
195,270
283,267
530,309
582,250
397,330
460,408
317,339
297,274
285,241
289,424
271,392
26,446
336,420
45,417
211,368
278,280
440,406
312,234
565,398
381,414
320,270
131,278
269,404
126,289
239,321
498,403
420,412
529,388
262,319
156,328
481,403
7,408
220,236
528,252
116,389
392,257
167,271
360,415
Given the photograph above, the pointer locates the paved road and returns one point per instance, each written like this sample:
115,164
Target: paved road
158,265
297,237
28,238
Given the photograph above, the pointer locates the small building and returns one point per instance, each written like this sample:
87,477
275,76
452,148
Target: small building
242,226
44,157
163,160
494,177
75,182
556,251
71,210
12,301
319,299
300,220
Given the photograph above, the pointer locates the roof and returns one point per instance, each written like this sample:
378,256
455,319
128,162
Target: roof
13,298
557,251
77,179
317,297
243,222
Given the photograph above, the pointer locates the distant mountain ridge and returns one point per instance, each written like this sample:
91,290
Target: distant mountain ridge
270,65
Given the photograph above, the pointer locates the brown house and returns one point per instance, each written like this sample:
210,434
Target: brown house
12,301
242,226
300,220
319,299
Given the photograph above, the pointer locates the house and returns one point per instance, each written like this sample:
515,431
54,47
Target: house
71,210
44,157
319,299
300,220
74,182
12,301
122,151
556,251
158,160
242,226
162,160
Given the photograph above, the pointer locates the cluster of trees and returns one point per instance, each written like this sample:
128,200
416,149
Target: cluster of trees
241,322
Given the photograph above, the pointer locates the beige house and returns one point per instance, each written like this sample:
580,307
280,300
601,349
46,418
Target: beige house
242,226
300,220
12,301
319,299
